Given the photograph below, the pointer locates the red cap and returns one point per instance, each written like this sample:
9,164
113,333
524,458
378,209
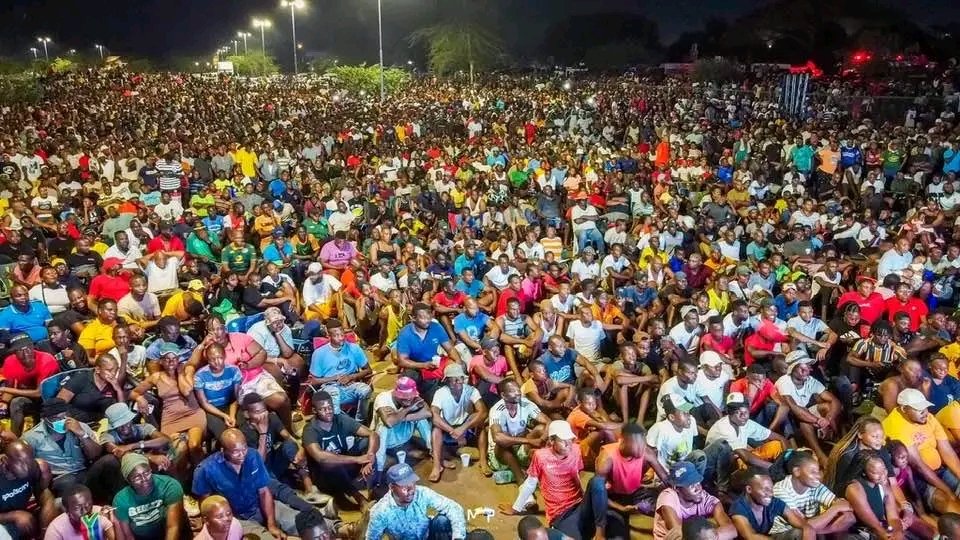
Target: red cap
111,263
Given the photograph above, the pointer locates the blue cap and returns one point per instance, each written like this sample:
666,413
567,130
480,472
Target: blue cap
402,474
684,474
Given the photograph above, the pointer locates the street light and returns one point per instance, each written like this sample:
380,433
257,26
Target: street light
72,52
99,49
45,40
34,50
383,91
262,24
244,35
294,5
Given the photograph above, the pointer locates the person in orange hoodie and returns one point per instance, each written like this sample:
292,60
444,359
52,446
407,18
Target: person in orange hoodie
663,151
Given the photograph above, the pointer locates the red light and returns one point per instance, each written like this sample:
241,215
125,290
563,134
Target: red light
899,58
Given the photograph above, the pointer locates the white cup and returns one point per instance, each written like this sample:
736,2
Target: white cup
465,459
401,457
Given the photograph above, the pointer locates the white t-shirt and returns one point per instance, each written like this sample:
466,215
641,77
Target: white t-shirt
563,306
712,388
586,339
584,271
723,430
687,339
801,396
616,264
55,299
672,386
340,221
162,279
500,279
511,425
129,258
578,212
44,206
455,412
319,292
383,284
533,252
671,445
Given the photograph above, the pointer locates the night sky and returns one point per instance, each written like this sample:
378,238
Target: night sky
344,29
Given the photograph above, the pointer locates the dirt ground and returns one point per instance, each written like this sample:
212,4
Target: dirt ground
472,490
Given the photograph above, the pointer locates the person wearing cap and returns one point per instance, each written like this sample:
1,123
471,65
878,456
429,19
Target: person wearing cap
814,410
685,500
398,415
754,512
341,369
21,373
787,303
556,469
751,443
458,416
151,505
322,294
186,305
123,436
404,512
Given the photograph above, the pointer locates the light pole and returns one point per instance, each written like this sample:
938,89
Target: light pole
100,50
383,87
45,40
294,5
34,51
236,46
244,35
262,24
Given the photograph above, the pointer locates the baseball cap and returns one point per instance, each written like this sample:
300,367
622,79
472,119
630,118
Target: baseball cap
789,286
684,474
453,370
675,402
913,398
314,268
406,388
195,285
20,341
561,430
402,475
685,310
111,263
736,400
169,348
488,343
710,358
680,276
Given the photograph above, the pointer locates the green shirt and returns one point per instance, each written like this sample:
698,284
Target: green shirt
201,249
892,159
147,515
238,259
201,204
318,229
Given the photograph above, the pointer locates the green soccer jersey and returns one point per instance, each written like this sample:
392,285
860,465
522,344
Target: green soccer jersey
238,259
147,515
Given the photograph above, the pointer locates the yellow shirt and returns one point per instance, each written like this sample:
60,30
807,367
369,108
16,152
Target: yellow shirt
647,255
97,337
952,352
923,437
719,302
248,162
458,196
176,305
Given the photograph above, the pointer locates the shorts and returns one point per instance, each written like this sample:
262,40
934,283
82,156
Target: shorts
521,451
927,491
263,384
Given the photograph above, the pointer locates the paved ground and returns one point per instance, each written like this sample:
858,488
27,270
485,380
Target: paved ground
472,490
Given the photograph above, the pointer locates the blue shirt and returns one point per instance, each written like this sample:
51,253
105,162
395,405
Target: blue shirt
264,336
272,254
464,262
785,310
850,155
218,389
214,224
215,476
412,522
639,298
329,362
33,322
472,290
418,349
741,507
276,187
473,326
942,394
560,369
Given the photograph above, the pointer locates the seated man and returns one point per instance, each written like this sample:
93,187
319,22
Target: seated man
23,477
686,499
751,443
565,365
340,369
151,506
619,481
672,438
340,449
458,415
813,409
591,425
631,381
276,338
124,436
417,349
555,399
266,435
516,427
760,393
22,372
397,415
239,474
801,490
403,511
754,512
684,385
70,449
518,334
488,369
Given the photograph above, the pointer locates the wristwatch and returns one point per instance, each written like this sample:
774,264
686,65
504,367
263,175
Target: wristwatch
141,445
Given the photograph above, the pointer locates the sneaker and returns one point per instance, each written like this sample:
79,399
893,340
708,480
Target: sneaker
191,506
315,497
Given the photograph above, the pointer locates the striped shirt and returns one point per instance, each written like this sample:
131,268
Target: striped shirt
552,245
887,354
170,173
810,503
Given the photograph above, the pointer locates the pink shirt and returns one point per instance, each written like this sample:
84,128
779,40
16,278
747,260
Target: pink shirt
61,528
669,497
533,290
499,368
236,352
335,256
235,532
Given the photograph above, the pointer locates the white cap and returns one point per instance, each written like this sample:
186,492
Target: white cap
913,398
736,398
561,430
314,268
797,357
687,309
788,286
710,358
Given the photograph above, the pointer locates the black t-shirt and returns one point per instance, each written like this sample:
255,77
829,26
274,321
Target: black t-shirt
15,494
850,466
337,439
89,402
274,427
71,317
251,300
89,262
61,247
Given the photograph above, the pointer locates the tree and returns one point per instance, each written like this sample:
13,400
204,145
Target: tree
254,64
461,41
364,78
61,65
19,88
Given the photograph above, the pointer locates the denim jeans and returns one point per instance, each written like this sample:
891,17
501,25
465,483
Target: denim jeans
399,435
591,236
353,393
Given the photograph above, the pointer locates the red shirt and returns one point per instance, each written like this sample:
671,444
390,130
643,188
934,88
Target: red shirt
159,242
505,296
765,339
454,301
914,307
17,376
871,308
559,478
697,279
626,474
112,287
759,398
724,346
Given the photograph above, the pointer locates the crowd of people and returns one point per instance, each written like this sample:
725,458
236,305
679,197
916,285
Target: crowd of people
639,296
